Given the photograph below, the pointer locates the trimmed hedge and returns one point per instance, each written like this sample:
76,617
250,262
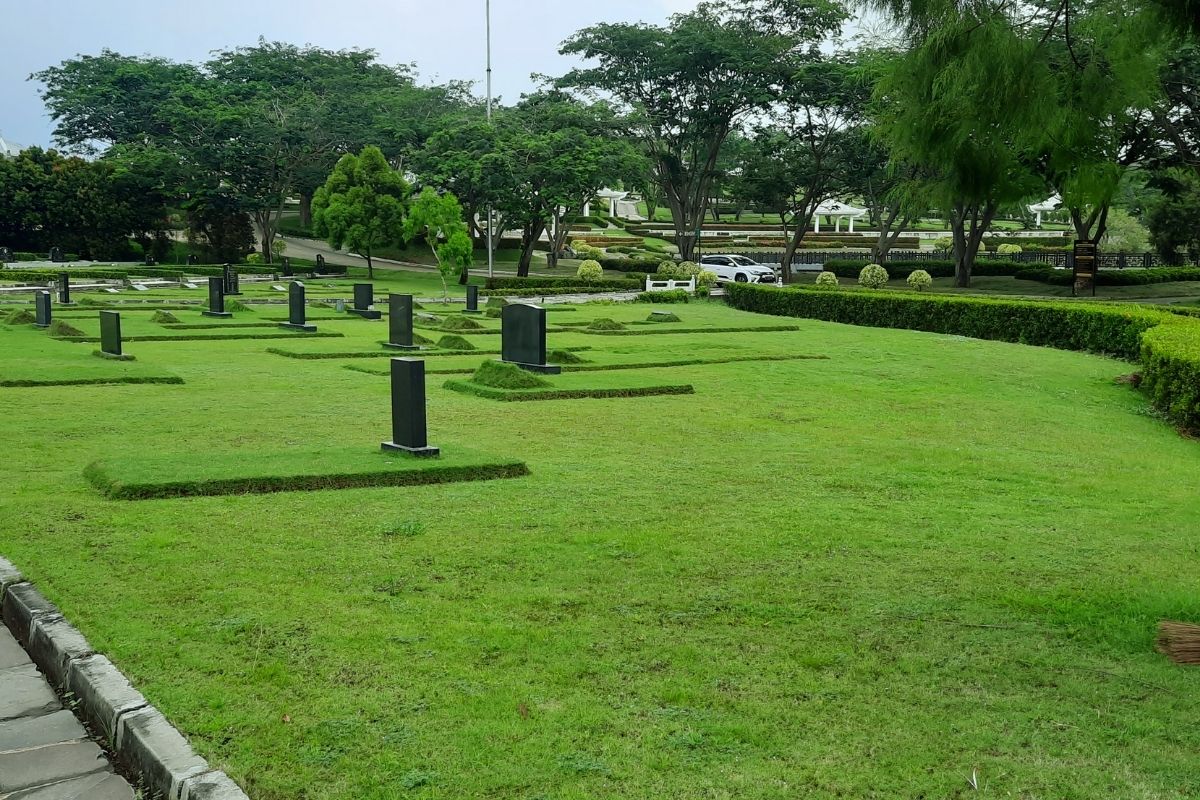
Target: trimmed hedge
664,331
21,383
556,283
668,296
208,338
1110,277
467,387
647,265
549,291
1167,345
900,270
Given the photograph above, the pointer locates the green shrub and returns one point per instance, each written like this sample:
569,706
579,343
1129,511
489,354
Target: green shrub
873,276
659,316
1171,369
500,375
164,318
937,268
669,269
254,258
457,323
1112,277
673,296
705,281
605,324
454,342
826,279
524,284
589,271
61,327
1008,249
943,243
647,265
919,279
232,305
496,302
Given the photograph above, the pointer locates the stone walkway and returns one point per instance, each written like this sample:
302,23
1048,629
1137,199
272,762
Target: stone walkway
45,754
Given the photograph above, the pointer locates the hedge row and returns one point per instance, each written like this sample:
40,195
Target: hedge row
555,283
1109,277
549,290
117,379
206,338
849,268
468,387
1167,345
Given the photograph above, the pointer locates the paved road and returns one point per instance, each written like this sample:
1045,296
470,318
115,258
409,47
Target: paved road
45,754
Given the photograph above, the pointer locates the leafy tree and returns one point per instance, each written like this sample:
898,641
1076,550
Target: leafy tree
685,86
437,219
361,205
1174,218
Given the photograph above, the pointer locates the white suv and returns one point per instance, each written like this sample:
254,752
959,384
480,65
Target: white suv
730,267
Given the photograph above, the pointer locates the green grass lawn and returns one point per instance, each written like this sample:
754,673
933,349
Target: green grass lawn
869,575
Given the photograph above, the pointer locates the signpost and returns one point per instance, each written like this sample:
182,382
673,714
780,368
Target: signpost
1085,267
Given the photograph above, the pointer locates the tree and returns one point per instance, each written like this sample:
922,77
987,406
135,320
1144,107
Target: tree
1174,218
361,205
894,192
685,86
437,219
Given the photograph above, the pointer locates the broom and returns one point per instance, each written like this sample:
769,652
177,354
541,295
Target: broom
1179,641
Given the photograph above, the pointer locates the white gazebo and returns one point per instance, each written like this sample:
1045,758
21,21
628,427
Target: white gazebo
1045,207
837,210
612,196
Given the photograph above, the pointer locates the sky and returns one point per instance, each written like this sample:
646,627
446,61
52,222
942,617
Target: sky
445,38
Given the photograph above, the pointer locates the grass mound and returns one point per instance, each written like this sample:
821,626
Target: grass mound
91,301
20,317
60,327
563,357
419,339
235,305
461,324
499,375
493,312
663,316
164,318
605,324
451,342
496,302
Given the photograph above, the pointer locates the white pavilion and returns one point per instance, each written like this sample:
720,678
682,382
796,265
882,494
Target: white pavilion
838,211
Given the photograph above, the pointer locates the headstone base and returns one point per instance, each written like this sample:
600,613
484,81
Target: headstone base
216,314
419,452
113,356
40,326
294,327
66,305
365,313
402,346
545,369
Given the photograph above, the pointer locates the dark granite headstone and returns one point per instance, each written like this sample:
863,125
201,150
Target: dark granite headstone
364,296
409,434
523,338
400,322
232,282
285,264
56,255
110,333
6,255
216,298
472,299
64,288
192,260
296,309
320,262
149,261
42,309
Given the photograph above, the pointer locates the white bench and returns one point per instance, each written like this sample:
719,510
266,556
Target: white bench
669,285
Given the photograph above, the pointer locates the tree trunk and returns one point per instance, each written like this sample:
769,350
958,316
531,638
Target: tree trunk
1092,227
306,209
962,270
968,224
529,238
370,265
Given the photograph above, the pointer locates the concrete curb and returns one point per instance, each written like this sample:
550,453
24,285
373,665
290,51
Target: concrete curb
138,733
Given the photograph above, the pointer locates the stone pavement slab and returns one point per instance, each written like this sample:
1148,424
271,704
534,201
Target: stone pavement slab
101,786
25,732
24,692
24,769
11,653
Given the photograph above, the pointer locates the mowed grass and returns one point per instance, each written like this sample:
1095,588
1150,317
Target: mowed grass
867,576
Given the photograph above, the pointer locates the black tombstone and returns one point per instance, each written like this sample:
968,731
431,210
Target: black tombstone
320,262
149,261
408,409
216,298
472,299
364,296
110,334
42,309
296,309
6,255
232,282
400,322
64,289
56,255
192,260
523,338
286,264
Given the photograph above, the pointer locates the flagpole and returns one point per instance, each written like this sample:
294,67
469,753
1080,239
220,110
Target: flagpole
487,5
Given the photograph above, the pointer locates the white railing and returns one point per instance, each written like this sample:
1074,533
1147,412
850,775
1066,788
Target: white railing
653,285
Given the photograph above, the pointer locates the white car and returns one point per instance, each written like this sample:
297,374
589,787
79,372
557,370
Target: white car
730,267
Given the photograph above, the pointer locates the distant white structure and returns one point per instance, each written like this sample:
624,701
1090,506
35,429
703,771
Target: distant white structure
1045,207
612,196
8,148
832,208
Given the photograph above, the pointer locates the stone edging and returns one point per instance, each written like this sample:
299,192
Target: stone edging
136,731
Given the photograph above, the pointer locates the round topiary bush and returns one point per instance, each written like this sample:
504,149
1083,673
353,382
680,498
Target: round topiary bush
943,243
1008,249
920,280
826,279
705,281
688,268
668,269
590,271
873,276
454,342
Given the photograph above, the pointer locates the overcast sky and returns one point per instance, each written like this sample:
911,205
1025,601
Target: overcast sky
443,37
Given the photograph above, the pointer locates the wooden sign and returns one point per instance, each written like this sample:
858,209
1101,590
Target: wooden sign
1085,267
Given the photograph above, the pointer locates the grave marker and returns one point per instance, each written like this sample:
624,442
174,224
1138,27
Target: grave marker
232,282
6,255
296,320
409,434
56,255
364,296
64,289
523,338
42,309
320,262
472,299
110,334
400,322
192,260
286,265
216,298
